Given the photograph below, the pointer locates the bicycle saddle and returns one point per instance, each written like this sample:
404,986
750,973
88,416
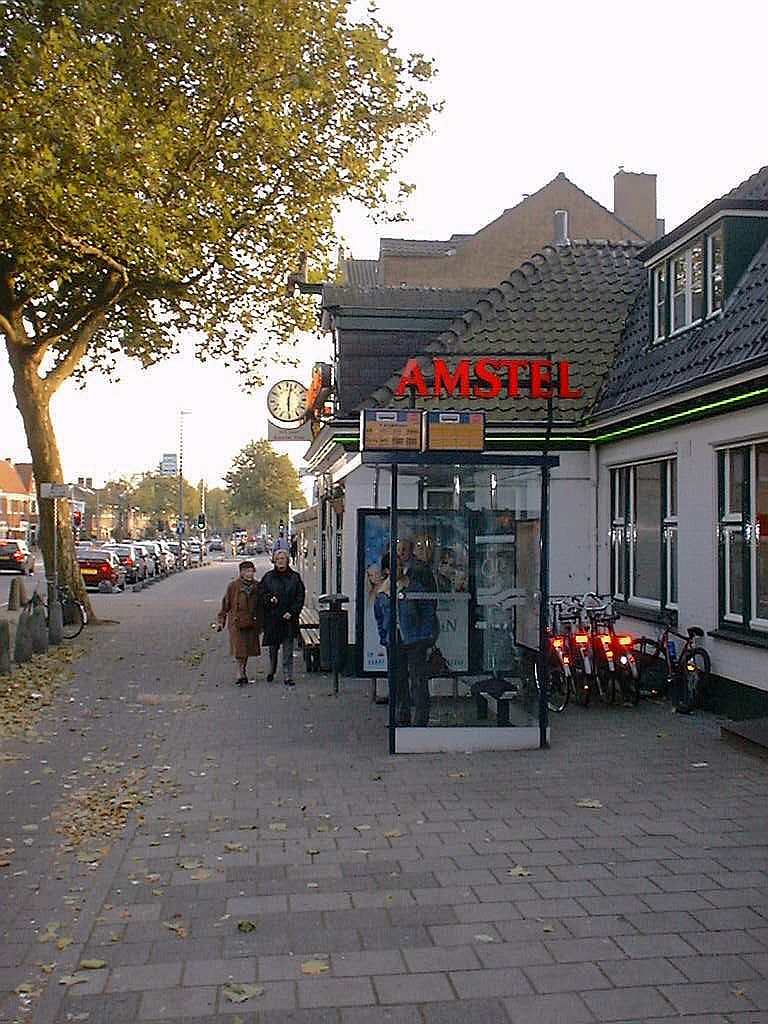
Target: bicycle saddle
695,631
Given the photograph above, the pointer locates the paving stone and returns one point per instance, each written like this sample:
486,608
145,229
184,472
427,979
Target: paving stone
548,1009
440,958
354,964
637,973
487,982
718,968
177,1003
636,1004
586,950
413,988
565,977
712,997
468,1011
101,1009
381,1015
336,992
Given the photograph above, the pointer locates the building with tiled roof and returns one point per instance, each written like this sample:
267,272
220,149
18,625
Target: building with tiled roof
18,502
660,498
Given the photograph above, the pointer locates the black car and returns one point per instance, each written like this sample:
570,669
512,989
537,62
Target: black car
16,556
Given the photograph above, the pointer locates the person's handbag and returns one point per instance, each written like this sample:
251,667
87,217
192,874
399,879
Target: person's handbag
437,666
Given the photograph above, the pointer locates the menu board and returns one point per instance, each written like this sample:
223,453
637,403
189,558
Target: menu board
455,431
390,430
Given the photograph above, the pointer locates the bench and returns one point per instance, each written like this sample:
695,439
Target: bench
309,638
499,701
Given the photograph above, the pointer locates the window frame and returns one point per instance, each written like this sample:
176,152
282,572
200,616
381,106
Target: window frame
711,309
623,535
744,522
661,278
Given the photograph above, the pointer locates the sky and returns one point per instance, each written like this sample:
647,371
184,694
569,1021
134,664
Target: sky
529,90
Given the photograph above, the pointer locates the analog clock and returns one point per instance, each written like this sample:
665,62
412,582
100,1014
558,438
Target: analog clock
287,401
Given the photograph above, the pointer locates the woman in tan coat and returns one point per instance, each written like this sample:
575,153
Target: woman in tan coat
241,611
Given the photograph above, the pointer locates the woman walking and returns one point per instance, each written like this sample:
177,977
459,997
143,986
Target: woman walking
282,597
241,611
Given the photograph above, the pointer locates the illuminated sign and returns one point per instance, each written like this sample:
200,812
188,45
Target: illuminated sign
455,431
488,378
390,430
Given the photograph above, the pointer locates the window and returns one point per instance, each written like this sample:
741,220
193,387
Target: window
714,271
660,303
688,286
644,533
743,548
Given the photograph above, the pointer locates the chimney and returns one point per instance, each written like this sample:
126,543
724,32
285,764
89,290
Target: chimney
561,227
634,202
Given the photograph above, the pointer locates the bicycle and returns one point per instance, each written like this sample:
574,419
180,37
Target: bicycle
663,672
74,615
615,666
572,645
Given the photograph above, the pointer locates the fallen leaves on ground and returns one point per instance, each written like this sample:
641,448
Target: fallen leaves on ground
240,993
393,833
31,687
91,815
246,926
518,871
92,965
314,967
278,826
589,802
176,925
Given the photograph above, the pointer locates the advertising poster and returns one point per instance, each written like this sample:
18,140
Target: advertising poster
440,541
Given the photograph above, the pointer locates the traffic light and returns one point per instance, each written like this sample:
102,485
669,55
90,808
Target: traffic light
77,517
201,521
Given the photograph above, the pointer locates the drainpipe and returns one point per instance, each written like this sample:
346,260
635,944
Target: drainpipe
594,482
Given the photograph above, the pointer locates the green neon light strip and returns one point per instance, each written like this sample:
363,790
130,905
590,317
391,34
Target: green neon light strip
685,414
354,439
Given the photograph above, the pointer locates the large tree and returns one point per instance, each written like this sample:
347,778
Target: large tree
163,165
261,483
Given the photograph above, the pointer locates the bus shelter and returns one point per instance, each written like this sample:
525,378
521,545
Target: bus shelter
474,528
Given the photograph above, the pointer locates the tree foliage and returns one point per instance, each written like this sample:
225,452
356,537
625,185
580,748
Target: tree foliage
261,483
163,166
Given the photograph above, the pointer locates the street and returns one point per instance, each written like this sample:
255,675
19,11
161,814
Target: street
175,848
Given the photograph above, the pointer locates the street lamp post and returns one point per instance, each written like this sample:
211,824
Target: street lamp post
180,524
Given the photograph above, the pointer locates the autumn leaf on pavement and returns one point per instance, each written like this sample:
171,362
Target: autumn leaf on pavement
189,863
200,874
246,926
92,965
235,848
314,967
50,931
278,826
240,993
518,871
176,926
393,833
588,802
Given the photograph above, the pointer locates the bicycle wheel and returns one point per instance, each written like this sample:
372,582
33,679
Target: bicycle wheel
652,676
606,684
74,617
697,671
557,689
628,685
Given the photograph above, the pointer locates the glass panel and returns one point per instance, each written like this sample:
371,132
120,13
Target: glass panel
735,468
735,572
660,307
697,281
671,534
761,531
647,567
715,271
672,487
679,289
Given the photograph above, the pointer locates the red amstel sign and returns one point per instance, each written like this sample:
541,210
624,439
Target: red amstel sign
490,377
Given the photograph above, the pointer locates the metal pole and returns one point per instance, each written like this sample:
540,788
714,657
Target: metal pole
544,608
55,614
392,638
181,481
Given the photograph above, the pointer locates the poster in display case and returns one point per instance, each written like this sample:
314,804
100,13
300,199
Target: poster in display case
440,541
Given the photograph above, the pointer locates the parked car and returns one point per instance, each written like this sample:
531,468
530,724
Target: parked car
161,556
216,543
168,555
133,561
195,551
150,558
16,556
100,566
181,554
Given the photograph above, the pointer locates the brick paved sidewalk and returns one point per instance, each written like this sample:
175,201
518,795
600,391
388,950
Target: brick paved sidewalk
287,869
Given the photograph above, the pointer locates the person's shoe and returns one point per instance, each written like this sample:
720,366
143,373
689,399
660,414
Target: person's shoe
288,682
242,681
402,718
270,676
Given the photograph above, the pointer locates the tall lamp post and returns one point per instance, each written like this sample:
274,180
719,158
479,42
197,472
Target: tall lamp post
180,524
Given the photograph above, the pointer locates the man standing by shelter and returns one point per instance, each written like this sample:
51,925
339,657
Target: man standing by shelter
282,597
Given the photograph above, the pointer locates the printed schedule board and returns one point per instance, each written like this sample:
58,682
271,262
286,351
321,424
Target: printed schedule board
390,430
455,431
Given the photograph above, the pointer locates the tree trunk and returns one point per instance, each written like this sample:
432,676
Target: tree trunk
33,401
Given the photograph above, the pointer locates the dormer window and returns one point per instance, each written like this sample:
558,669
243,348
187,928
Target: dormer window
715,271
688,286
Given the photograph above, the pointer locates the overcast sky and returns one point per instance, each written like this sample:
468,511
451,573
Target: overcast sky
675,89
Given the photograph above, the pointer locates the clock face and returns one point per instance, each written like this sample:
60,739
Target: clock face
287,401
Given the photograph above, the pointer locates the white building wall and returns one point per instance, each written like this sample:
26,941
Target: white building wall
695,447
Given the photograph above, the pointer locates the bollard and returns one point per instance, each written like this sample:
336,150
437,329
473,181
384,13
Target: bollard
39,627
22,648
55,622
17,596
5,647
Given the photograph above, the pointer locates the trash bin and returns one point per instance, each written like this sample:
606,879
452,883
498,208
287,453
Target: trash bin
333,632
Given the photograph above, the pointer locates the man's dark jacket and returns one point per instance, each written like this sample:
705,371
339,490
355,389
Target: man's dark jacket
288,588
